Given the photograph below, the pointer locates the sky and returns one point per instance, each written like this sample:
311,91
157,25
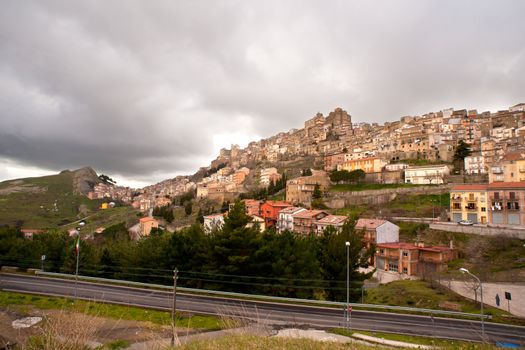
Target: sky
147,90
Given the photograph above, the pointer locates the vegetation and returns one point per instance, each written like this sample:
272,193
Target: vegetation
345,176
462,151
106,179
267,192
422,205
234,258
165,212
306,172
366,187
47,201
20,302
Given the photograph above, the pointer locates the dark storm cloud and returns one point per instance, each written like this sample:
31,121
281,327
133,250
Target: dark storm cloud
145,89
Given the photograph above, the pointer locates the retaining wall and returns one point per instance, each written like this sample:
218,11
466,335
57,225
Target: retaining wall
480,230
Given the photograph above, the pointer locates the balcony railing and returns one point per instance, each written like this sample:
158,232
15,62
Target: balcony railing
515,198
471,208
472,199
456,199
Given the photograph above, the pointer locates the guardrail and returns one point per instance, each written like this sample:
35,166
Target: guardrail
431,312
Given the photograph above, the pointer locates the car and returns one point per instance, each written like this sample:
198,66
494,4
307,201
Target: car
465,222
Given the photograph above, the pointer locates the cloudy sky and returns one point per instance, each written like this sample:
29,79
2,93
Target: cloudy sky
146,90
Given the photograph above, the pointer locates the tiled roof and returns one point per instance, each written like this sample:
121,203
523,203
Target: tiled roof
290,210
470,187
369,223
306,214
277,203
332,219
146,219
502,185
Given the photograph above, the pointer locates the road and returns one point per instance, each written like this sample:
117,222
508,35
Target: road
268,312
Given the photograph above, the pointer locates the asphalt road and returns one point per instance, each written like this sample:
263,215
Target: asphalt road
268,312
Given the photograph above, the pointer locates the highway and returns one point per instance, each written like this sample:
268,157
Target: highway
279,314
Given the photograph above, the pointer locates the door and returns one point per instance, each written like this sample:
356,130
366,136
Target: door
473,218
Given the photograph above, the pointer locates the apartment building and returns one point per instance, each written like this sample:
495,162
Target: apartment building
510,169
270,211
252,206
269,175
335,221
146,225
301,189
285,222
475,165
368,165
469,202
507,203
413,259
304,221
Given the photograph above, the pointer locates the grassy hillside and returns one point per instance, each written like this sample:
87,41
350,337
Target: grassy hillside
42,202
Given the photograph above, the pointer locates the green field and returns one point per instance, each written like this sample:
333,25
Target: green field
107,217
55,204
23,303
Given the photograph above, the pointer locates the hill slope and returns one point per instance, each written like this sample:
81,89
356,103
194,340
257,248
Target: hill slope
47,201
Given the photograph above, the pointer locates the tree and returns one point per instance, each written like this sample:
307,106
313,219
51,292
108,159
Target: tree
306,172
317,192
462,151
188,208
106,179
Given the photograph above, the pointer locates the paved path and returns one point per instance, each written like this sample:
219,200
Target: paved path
490,290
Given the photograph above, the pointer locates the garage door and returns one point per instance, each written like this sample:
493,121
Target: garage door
497,218
457,217
473,218
514,219
380,263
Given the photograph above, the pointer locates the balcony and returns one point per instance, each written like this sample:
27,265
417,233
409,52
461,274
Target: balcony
515,198
496,170
474,208
456,199
472,199
522,170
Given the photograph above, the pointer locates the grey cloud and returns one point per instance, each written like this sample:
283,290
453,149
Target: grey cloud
140,88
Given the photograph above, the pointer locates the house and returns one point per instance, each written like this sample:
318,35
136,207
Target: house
257,221
268,176
510,169
475,165
252,206
332,161
30,232
507,203
368,165
378,230
285,221
413,259
300,190
469,202
304,221
427,174
270,211
213,222
146,225
335,221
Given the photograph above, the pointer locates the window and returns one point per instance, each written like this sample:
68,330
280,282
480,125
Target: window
456,206
405,254
392,267
483,209
405,270
381,251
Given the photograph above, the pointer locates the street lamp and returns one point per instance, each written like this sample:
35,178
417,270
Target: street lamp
347,282
464,270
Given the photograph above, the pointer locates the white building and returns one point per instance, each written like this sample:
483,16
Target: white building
427,174
213,222
335,221
268,175
378,231
475,165
285,221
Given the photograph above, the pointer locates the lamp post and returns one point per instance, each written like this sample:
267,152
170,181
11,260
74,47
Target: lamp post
464,270
347,282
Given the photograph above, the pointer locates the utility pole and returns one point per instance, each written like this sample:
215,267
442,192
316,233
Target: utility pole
77,250
174,308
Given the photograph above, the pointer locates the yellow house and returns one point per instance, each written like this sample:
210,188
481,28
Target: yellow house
104,206
368,165
469,202
510,169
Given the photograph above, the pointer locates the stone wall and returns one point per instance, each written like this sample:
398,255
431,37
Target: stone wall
481,230
343,199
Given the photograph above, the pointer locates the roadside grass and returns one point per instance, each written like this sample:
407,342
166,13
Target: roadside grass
23,303
422,205
366,187
420,294
354,211
442,343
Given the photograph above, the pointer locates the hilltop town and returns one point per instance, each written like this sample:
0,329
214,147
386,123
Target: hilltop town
413,149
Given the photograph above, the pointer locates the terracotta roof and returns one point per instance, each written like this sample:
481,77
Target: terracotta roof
146,219
398,245
291,210
470,187
277,203
369,223
213,216
306,214
332,219
513,156
498,185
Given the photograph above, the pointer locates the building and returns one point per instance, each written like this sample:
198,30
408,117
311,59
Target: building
413,259
378,231
252,206
510,169
270,211
368,165
257,221
332,161
304,221
427,174
335,221
213,222
285,221
507,203
146,225
475,165
268,176
469,202
300,190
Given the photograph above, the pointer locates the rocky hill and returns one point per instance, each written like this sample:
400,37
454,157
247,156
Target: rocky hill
47,201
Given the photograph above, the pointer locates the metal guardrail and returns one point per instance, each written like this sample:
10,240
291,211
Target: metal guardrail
265,297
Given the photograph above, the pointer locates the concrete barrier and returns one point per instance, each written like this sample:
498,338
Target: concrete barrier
10,269
481,230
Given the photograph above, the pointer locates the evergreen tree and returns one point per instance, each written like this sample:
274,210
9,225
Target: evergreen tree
462,151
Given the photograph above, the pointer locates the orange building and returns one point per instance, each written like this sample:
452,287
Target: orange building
253,207
270,211
304,222
146,224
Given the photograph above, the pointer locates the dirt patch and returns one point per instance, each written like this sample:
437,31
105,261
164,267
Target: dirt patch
19,187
